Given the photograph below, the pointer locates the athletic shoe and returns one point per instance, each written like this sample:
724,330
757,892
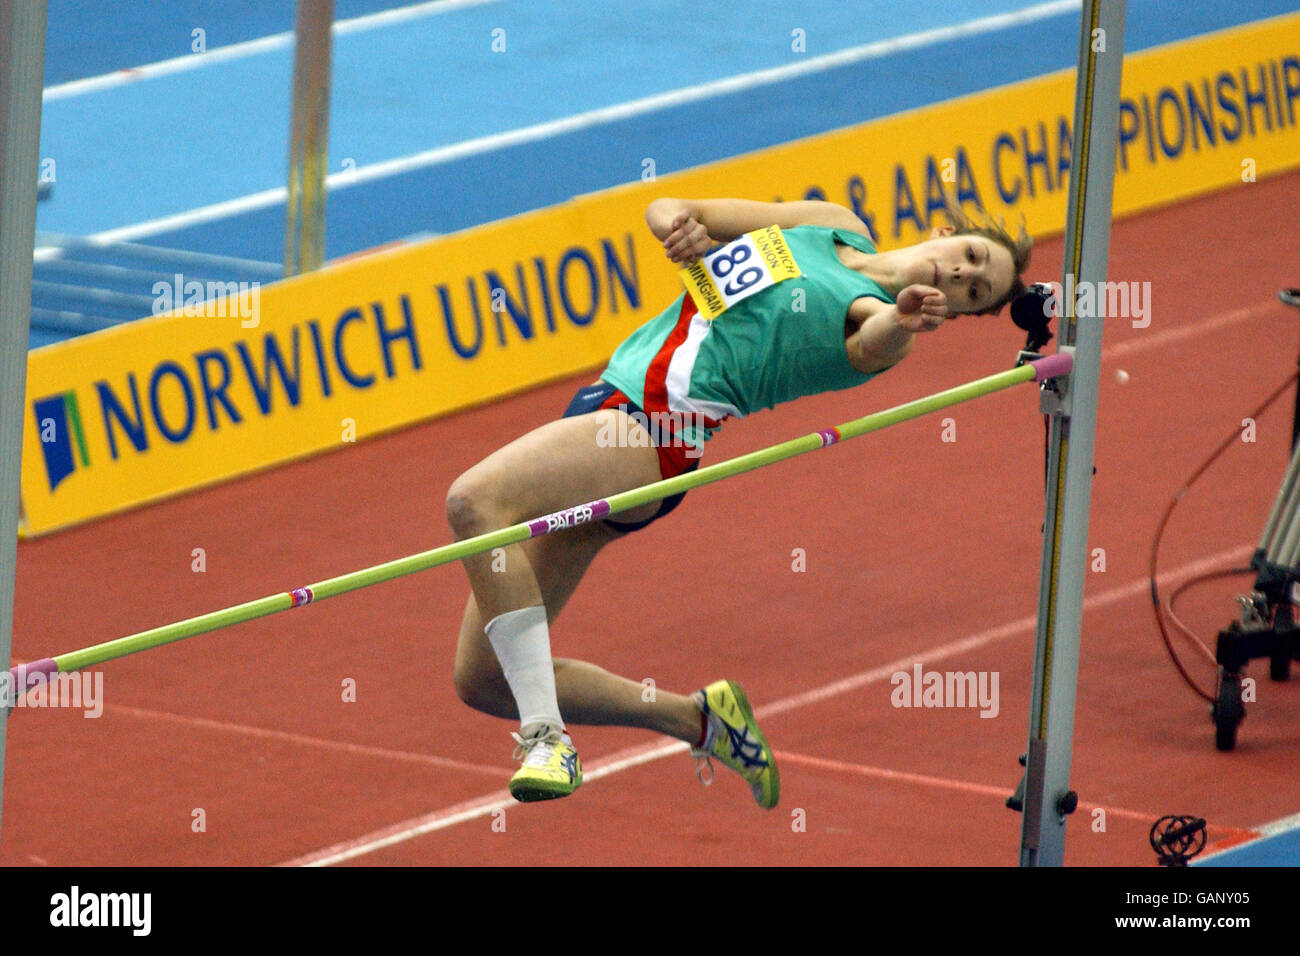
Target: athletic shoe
734,738
551,767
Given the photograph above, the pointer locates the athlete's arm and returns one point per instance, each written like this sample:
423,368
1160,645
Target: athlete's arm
886,333
689,227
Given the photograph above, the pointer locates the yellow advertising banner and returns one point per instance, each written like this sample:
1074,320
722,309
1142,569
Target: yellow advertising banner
264,375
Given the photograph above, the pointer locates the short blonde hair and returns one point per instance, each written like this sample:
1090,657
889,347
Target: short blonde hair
994,229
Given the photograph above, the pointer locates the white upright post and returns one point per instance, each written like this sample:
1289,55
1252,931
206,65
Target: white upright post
304,244
22,70
1047,797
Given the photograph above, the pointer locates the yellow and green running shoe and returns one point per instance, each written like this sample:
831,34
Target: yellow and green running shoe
551,767
734,738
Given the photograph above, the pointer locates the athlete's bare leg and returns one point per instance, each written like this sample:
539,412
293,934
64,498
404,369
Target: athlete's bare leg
559,464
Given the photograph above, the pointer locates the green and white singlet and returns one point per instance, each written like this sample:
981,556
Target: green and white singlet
774,345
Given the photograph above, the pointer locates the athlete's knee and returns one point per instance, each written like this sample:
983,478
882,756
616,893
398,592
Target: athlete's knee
487,693
473,506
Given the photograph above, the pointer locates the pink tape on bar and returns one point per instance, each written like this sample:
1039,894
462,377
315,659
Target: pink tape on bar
1058,363
20,675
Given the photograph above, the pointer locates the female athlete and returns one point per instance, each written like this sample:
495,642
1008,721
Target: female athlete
810,306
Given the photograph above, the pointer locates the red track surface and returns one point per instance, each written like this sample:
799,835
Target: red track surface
913,545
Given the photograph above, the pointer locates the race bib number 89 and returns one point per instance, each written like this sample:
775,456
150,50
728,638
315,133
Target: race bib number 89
741,268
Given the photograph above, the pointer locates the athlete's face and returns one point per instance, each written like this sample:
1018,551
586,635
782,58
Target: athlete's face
971,270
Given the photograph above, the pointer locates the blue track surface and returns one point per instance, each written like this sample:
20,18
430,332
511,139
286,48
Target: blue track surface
1276,849
131,154
90,37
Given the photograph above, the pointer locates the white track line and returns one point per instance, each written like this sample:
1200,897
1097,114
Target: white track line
1275,828
1212,324
285,736
238,51
1279,826
952,783
635,756
597,117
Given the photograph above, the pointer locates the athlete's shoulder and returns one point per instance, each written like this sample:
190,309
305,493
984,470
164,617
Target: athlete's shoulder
820,214
858,238
852,232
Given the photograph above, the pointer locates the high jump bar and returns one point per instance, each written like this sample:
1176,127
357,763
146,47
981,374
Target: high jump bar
26,676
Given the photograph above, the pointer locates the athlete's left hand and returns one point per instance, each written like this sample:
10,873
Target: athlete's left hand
687,241
921,308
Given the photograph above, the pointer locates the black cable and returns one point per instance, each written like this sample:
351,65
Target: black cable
1223,572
